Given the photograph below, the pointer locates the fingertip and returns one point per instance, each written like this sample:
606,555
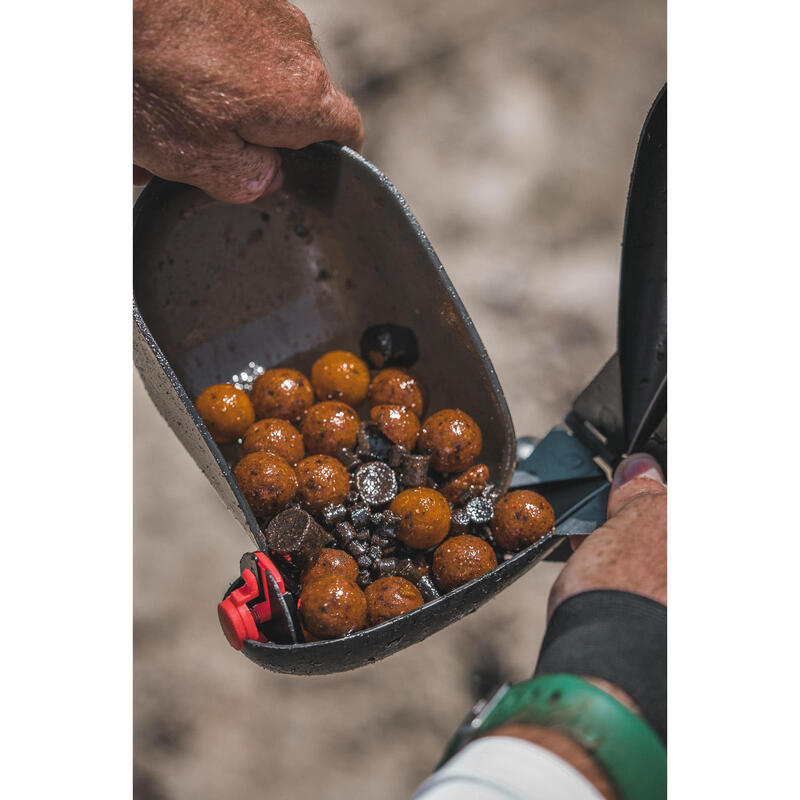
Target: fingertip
638,465
639,474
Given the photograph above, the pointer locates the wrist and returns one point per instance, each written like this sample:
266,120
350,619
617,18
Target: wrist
565,748
621,743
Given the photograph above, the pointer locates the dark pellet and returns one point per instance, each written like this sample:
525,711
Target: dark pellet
371,444
376,483
359,516
389,345
491,493
395,458
414,469
375,553
363,535
405,569
459,521
427,588
348,458
387,566
351,498
333,513
356,549
295,533
345,532
379,541
376,518
480,510
364,562
364,578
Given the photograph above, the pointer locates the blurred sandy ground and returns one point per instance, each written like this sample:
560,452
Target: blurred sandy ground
510,128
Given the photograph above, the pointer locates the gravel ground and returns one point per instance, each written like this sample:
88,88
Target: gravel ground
510,128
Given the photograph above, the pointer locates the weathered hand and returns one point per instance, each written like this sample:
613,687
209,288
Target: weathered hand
219,84
629,552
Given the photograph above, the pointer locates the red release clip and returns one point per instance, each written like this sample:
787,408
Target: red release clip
245,608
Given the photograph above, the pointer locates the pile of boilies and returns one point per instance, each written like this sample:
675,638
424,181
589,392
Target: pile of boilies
370,518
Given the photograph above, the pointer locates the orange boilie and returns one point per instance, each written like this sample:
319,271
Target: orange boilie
520,519
283,393
329,427
226,411
340,375
273,435
452,439
393,386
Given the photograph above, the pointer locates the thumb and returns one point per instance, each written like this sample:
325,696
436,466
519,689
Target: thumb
238,174
638,474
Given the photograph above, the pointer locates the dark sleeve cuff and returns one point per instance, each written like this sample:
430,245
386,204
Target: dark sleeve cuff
619,637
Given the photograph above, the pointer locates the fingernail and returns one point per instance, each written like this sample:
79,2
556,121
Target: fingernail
638,465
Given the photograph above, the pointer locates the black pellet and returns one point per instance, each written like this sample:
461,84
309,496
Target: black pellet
363,535
480,510
395,457
356,549
491,493
387,566
345,532
376,518
378,541
364,579
351,498
376,483
333,513
348,458
389,345
459,521
414,469
364,562
359,516
375,553
405,569
296,534
427,588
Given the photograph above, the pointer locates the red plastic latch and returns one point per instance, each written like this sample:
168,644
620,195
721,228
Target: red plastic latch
239,615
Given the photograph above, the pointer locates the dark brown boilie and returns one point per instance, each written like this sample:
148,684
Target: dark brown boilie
452,438
520,519
395,387
332,607
276,436
267,481
397,423
340,375
226,411
321,480
283,393
329,427
461,559
389,597
424,517
331,564
474,479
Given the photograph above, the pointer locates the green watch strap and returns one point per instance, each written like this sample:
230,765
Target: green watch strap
620,741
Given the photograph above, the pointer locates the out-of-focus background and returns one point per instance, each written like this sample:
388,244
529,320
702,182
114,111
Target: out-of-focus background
510,127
